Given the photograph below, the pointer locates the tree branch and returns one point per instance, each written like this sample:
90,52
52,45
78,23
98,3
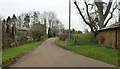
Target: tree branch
84,18
110,16
108,20
100,7
88,12
81,13
108,9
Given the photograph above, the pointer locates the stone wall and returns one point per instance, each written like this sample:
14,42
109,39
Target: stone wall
108,39
118,37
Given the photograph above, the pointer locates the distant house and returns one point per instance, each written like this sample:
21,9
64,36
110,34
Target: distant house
23,31
110,36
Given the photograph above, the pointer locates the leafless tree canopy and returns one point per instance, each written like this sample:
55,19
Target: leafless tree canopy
29,25
97,13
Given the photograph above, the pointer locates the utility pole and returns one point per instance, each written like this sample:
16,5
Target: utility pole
69,18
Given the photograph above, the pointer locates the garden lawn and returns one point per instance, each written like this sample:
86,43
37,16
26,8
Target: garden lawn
9,54
88,47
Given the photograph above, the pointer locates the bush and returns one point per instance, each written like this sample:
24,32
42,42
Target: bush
63,36
85,39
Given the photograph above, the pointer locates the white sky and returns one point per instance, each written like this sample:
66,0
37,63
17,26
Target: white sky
60,7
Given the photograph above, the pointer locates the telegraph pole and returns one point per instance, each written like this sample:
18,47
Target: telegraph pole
69,18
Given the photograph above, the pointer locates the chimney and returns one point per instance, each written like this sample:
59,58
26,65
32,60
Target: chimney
28,26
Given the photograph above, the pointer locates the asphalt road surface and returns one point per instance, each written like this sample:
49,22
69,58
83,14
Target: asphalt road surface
48,54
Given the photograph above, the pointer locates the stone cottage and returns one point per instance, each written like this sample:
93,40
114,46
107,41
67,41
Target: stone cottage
110,36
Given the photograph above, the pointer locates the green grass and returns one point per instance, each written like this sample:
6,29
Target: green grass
0,57
8,55
88,47
86,39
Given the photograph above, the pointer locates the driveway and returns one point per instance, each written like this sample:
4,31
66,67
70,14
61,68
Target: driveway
48,54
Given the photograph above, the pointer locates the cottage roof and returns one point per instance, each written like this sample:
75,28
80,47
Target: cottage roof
113,26
23,28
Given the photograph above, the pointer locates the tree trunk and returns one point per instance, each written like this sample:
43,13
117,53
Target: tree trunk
101,22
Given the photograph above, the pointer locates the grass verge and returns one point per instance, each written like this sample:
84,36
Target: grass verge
10,55
91,50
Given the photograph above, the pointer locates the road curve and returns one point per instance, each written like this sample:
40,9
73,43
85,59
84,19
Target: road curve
48,54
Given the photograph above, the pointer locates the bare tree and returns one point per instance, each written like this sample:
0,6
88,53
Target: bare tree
37,31
50,17
57,27
97,13
21,19
50,20
27,20
35,17
44,20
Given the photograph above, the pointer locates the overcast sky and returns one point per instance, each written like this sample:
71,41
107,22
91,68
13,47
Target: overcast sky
60,7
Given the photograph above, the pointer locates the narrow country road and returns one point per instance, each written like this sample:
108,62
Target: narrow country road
50,55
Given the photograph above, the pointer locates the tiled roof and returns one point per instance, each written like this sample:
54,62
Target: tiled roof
113,26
